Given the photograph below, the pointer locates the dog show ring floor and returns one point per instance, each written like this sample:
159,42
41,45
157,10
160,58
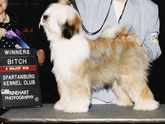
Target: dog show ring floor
107,113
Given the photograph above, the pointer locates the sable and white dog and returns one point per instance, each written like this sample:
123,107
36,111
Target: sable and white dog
81,64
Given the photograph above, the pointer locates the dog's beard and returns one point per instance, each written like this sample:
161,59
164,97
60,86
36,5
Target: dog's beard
50,35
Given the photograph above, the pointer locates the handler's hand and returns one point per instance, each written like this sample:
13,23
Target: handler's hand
135,38
18,47
2,32
41,57
132,37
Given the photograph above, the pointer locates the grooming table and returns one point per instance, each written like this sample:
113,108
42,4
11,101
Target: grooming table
97,114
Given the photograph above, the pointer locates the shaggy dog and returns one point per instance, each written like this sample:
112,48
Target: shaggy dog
81,64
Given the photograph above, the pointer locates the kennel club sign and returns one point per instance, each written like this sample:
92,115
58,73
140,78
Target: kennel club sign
19,78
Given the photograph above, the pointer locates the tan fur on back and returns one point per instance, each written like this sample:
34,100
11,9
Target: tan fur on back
114,54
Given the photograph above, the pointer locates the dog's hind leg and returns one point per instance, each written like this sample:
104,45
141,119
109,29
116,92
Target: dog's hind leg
80,95
64,97
123,97
139,92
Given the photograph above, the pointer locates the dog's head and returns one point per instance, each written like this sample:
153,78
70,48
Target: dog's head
61,21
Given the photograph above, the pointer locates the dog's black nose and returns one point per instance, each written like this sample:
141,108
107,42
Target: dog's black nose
45,17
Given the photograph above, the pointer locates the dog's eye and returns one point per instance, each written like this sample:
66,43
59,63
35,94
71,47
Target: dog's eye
45,17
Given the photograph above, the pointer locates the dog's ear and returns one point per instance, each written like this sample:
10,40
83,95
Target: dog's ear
68,31
71,27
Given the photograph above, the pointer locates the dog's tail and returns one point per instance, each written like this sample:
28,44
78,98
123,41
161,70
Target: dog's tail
114,31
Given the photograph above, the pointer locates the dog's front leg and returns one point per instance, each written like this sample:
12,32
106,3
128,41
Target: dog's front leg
80,95
64,97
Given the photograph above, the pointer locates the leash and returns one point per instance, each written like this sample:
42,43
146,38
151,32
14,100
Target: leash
84,28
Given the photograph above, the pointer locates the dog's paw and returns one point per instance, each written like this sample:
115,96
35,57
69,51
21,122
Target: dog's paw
77,107
76,110
59,106
147,105
123,102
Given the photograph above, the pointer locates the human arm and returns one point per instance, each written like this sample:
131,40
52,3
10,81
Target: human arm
151,42
2,32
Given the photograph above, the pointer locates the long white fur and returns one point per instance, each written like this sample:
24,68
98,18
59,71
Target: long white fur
69,53
62,51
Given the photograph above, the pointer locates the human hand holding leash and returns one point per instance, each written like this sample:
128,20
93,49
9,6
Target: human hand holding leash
132,37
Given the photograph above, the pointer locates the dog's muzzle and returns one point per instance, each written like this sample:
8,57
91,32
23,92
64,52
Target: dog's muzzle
43,19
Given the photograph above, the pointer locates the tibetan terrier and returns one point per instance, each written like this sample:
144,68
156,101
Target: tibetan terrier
81,65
